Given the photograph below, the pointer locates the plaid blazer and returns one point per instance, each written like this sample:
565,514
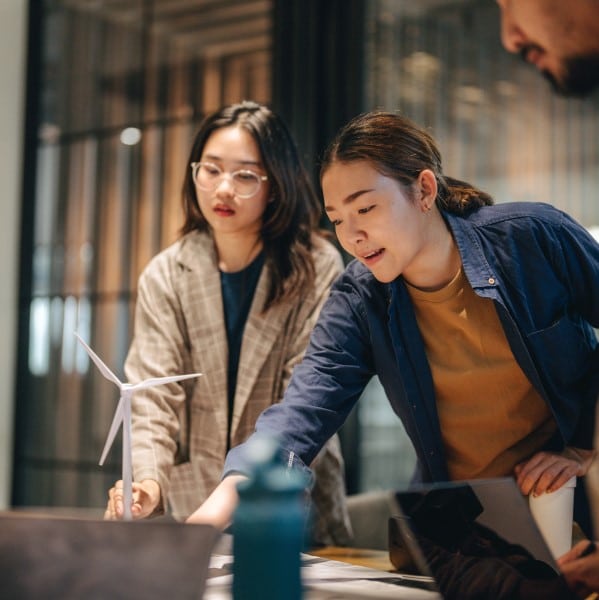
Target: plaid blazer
180,430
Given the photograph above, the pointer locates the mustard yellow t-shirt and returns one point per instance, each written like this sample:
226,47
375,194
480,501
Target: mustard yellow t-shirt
491,417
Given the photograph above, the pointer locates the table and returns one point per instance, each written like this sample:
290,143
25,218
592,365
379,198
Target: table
373,559
333,573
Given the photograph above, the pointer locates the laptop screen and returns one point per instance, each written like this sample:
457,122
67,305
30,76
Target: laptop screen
70,558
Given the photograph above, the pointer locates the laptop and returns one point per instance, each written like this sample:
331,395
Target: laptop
440,526
72,558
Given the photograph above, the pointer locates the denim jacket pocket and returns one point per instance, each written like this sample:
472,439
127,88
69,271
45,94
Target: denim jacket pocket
564,350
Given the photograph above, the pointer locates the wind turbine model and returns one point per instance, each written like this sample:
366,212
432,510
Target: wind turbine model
123,415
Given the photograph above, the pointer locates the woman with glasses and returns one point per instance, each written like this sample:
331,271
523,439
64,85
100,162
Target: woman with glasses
236,299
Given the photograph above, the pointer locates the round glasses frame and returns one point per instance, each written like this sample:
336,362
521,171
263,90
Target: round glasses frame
208,176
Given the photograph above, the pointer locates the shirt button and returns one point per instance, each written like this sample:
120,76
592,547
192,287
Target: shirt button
492,280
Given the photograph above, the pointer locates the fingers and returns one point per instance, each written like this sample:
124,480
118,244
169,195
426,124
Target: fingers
545,472
115,506
137,505
582,574
576,552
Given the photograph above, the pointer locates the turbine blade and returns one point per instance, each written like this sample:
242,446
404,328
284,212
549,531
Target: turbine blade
116,421
103,368
153,381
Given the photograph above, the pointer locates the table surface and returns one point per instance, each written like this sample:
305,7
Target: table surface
373,559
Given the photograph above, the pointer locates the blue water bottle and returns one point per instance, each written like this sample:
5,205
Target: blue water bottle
268,528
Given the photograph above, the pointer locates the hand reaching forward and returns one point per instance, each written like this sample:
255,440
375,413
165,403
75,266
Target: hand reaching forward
146,498
217,510
548,471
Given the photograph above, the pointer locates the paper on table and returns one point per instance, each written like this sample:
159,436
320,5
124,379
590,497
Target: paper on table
329,580
122,415
334,579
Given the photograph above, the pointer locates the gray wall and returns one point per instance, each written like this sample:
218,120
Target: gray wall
13,30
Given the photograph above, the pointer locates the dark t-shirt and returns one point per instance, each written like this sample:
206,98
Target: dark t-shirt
238,292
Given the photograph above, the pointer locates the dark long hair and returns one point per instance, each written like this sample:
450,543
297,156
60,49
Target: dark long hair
398,148
290,219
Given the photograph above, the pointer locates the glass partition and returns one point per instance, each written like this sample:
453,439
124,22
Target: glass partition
121,87
441,63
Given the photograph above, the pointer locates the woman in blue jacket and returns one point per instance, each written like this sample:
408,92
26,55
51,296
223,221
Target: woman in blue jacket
478,320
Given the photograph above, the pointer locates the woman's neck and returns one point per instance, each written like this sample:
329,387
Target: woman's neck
439,260
235,253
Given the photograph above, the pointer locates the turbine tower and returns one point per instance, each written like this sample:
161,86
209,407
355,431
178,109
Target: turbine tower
122,415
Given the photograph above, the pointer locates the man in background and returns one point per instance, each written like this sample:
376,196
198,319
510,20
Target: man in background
560,38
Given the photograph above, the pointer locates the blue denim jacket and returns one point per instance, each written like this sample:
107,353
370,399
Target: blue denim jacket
540,268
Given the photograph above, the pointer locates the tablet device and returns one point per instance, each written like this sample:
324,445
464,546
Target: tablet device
477,528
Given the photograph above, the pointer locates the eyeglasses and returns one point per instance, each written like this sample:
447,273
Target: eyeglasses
207,177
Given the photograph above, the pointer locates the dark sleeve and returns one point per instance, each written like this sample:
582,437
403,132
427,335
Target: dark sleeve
461,577
580,256
545,590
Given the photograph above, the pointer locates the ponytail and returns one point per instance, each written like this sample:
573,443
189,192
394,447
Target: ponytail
459,197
